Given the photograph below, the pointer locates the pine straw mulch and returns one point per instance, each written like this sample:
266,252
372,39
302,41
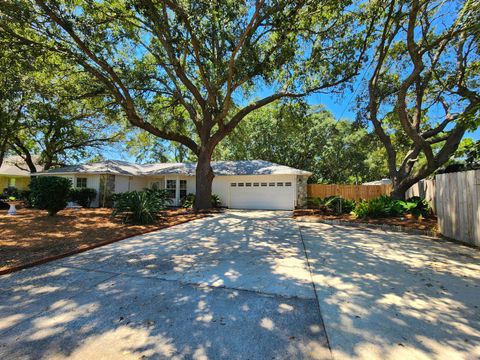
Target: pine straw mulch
31,237
408,221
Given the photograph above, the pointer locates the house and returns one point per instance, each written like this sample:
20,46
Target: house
14,173
379,182
255,184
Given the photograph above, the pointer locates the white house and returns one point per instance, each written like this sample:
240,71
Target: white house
255,184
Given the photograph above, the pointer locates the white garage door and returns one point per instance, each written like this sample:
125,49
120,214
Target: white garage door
272,195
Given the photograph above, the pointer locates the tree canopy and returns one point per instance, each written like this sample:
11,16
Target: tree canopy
190,71
423,92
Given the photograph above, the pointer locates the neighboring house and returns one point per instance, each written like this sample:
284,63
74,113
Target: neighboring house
379,182
255,184
15,173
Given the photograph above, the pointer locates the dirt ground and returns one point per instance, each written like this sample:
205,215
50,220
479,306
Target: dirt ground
32,236
408,220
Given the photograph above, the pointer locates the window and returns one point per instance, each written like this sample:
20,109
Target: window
271,184
248,184
280,184
233,184
183,188
81,182
255,184
288,184
240,184
12,182
171,188
264,184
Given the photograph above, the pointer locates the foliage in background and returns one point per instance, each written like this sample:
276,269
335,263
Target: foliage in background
140,207
294,134
51,113
50,193
189,201
83,196
423,90
190,71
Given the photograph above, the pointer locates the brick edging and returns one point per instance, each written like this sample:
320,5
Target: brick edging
90,247
385,227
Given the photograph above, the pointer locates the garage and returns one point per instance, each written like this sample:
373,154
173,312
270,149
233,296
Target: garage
266,193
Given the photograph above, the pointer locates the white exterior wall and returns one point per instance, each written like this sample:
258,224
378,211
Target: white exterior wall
122,183
138,183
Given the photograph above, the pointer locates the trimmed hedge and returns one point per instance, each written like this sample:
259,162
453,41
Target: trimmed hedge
49,193
83,196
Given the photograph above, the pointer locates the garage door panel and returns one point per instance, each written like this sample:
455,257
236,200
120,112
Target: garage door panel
268,195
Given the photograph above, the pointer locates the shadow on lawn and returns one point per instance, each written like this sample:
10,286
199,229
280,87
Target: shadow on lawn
395,296
252,297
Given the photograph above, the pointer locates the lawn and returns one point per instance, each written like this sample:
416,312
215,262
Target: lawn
31,236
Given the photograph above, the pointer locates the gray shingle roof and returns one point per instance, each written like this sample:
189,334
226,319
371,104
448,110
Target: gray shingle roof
220,168
16,166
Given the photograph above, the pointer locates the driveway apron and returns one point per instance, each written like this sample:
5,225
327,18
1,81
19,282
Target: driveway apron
232,286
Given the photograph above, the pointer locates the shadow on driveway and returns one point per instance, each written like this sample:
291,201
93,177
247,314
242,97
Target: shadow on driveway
395,296
233,286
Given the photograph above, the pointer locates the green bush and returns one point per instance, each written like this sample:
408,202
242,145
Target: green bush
83,196
49,193
418,206
386,206
339,205
332,204
140,207
189,201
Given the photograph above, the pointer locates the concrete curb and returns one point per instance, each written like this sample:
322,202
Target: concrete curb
89,247
384,227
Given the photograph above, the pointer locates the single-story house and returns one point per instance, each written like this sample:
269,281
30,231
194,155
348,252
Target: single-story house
255,184
14,173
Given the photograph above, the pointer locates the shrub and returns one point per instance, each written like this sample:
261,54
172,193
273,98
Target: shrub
24,195
189,201
83,196
216,201
313,202
339,205
418,206
386,206
140,207
49,193
10,191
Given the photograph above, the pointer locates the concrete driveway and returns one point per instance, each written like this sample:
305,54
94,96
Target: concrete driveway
395,296
234,286
239,285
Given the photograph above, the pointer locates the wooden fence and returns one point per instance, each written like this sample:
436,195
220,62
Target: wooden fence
457,199
350,192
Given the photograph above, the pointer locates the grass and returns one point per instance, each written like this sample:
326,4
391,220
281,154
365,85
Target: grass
31,236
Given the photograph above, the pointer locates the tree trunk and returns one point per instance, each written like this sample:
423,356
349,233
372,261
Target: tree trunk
398,193
204,178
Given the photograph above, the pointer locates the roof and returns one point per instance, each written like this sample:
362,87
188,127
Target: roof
16,166
379,182
220,168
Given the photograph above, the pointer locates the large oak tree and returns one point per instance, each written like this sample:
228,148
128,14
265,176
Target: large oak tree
423,92
190,71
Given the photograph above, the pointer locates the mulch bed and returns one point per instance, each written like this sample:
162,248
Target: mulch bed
31,237
407,221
